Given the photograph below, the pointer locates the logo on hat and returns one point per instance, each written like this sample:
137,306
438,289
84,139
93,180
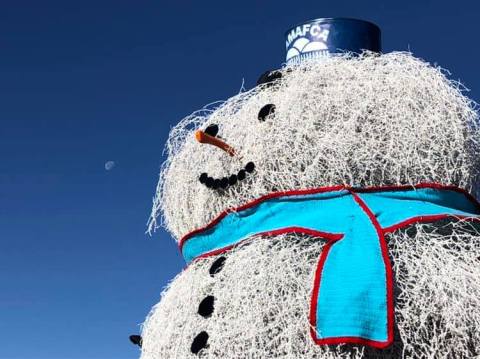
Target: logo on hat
307,38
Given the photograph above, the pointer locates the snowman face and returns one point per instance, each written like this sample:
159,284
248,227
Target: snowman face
365,121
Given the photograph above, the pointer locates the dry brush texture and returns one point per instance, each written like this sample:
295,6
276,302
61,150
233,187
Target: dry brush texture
262,299
371,120
360,121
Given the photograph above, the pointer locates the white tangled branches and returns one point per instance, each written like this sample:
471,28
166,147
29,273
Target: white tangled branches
361,121
262,300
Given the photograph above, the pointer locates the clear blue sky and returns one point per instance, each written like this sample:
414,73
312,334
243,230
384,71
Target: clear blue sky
85,82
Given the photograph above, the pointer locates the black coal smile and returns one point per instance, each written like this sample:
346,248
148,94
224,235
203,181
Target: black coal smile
224,182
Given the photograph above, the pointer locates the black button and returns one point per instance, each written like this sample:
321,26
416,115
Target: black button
200,342
265,111
205,309
217,266
136,339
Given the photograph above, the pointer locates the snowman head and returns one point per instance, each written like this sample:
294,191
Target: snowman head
368,120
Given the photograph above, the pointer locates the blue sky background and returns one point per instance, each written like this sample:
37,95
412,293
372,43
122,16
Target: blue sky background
85,82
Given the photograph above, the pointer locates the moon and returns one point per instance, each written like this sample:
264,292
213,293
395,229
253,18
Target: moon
109,165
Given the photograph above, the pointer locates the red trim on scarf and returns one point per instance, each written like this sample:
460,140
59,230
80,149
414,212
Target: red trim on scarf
419,186
268,196
332,238
426,219
388,269
316,289
252,204
389,282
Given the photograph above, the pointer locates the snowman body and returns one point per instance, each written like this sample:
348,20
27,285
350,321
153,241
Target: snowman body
354,122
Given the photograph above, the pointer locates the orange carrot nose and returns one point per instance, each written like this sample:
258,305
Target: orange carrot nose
203,137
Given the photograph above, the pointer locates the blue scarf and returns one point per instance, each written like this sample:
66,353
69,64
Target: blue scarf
352,296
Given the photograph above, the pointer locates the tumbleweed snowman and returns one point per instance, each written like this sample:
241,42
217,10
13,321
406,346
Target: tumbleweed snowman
329,212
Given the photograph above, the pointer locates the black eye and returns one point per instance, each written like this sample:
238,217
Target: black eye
211,130
266,111
269,77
